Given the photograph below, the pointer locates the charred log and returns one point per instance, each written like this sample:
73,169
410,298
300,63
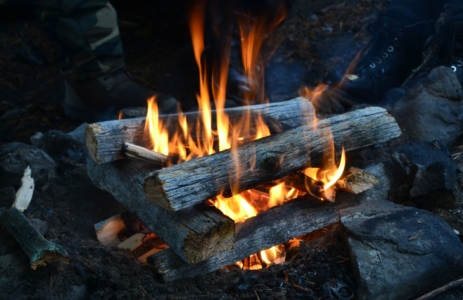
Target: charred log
270,158
105,140
194,234
269,228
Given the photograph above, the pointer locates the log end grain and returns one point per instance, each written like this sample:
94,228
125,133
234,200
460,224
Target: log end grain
91,132
357,181
154,191
218,238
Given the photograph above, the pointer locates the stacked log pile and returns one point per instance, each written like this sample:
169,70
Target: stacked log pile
170,201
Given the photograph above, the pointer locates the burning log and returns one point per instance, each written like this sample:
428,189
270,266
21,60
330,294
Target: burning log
194,234
40,251
269,228
270,158
105,140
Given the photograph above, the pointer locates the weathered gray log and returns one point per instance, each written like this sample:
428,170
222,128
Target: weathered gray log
269,228
40,251
270,158
194,234
104,140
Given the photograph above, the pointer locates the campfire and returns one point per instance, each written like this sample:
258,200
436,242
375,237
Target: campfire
266,199
233,163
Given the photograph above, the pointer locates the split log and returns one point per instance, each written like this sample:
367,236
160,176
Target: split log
356,181
104,140
133,151
270,158
40,251
269,228
194,234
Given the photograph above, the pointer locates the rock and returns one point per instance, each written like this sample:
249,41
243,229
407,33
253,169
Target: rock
432,110
429,175
7,196
399,252
78,134
63,147
15,157
12,114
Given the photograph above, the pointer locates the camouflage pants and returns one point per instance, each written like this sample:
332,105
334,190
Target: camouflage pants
86,32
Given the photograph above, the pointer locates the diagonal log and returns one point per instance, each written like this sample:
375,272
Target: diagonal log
194,234
269,228
104,140
270,158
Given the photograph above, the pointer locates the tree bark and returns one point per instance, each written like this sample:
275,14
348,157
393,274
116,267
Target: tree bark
269,228
194,234
104,140
270,158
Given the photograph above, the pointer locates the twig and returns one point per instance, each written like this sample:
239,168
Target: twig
420,233
256,294
442,289
145,293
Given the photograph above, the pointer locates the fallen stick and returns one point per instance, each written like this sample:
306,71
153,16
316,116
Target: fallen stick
270,158
40,251
194,234
104,140
442,289
269,228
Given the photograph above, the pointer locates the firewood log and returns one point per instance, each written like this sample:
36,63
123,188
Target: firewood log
269,228
270,158
104,140
194,234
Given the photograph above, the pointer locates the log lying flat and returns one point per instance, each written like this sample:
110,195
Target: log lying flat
270,158
40,251
194,234
104,140
269,228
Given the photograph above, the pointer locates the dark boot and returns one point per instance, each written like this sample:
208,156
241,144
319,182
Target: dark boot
101,98
392,53
444,49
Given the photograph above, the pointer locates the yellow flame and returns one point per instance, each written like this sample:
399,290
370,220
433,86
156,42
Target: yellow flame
157,132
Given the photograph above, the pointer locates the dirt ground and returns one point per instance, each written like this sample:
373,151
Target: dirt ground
322,35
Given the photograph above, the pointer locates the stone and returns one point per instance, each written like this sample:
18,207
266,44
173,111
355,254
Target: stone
429,175
399,252
15,157
63,147
432,110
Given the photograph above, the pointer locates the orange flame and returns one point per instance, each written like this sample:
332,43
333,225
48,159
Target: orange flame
212,87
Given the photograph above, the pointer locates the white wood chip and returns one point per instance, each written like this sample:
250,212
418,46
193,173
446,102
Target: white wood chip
25,192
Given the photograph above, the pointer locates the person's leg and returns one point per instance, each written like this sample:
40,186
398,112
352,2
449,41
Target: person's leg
88,34
92,59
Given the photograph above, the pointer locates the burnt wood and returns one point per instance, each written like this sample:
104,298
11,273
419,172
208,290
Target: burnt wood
269,228
270,158
40,251
194,234
105,140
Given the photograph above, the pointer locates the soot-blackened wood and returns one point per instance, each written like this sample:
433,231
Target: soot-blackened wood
40,251
194,234
269,228
104,140
270,158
